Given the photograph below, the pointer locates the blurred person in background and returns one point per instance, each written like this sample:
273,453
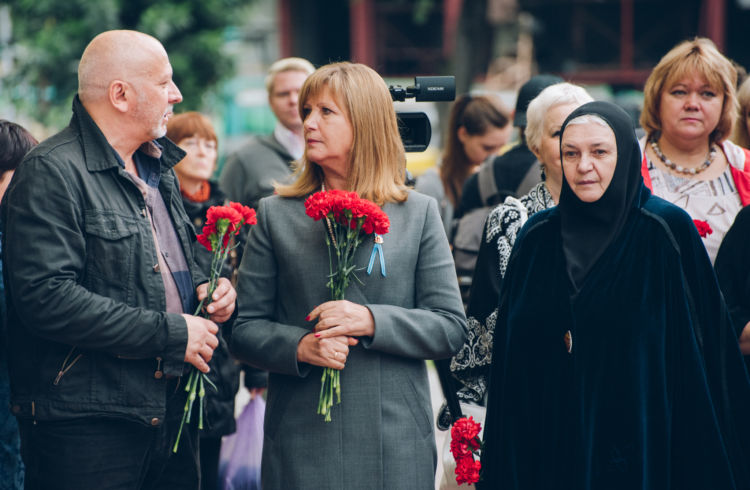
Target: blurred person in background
544,116
477,129
250,172
690,107
516,171
15,142
741,134
194,133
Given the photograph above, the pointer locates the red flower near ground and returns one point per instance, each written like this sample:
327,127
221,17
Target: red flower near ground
465,429
467,470
704,229
464,444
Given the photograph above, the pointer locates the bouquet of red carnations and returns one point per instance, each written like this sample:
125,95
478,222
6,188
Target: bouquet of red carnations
349,219
222,223
465,443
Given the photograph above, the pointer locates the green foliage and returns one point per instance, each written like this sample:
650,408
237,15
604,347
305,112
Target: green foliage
50,36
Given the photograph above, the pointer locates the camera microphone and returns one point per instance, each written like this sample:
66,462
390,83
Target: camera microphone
414,127
426,89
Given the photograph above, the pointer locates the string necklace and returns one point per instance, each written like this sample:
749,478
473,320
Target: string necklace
328,221
679,168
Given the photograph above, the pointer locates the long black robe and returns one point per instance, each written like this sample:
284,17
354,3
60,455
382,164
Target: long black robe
733,269
654,393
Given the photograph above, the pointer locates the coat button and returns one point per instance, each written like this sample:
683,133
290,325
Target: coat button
159,374
16,409
155,421
568,338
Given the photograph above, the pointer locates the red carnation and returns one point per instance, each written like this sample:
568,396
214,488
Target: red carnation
247,213
460,449
204,240
465,429
704,229
318,205
467,470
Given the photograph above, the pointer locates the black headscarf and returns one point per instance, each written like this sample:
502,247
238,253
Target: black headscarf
589,228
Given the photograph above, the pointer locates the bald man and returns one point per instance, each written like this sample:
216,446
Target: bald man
101,281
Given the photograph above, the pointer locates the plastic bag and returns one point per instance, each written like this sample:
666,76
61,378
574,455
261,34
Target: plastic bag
239,462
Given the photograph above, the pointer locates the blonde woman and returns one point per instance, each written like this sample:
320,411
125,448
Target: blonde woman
690,106
381,434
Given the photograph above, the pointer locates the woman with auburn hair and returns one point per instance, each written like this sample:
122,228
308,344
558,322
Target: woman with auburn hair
381,434
689,110
477,129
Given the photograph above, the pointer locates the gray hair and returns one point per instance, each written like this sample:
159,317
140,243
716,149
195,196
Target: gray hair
552,96
287,64
589,119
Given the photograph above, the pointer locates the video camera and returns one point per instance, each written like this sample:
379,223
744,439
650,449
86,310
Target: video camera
414,127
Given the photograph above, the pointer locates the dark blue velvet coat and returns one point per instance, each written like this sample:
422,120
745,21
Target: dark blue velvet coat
654,393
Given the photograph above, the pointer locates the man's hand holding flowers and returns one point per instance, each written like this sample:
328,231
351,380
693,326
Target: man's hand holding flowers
202,332
201,341
222,301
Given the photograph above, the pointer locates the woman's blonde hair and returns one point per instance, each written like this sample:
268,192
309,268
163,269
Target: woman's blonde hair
695,57
377,163
741,136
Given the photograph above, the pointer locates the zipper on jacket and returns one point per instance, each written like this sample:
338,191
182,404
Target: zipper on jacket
64,369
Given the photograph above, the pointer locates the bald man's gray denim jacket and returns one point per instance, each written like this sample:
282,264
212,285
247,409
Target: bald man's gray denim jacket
87,329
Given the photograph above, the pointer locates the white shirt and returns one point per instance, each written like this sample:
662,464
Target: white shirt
289,140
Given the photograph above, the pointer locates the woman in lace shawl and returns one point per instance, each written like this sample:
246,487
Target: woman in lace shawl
545,116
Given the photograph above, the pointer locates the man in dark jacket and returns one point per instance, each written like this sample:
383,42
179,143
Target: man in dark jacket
100,281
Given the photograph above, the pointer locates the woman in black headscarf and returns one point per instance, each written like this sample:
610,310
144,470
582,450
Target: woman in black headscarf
619,366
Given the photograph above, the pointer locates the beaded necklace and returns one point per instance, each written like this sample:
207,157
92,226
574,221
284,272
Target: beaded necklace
679,168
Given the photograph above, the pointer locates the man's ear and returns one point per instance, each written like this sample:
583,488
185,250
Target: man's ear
120,95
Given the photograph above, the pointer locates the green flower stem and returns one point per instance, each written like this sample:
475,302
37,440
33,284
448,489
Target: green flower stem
197,378
201,394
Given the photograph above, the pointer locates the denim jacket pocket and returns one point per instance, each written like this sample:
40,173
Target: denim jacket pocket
111,243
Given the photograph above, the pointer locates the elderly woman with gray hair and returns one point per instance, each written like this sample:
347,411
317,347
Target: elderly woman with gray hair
545,116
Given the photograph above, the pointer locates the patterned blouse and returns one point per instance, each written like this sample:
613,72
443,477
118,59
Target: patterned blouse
471,365
716,201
